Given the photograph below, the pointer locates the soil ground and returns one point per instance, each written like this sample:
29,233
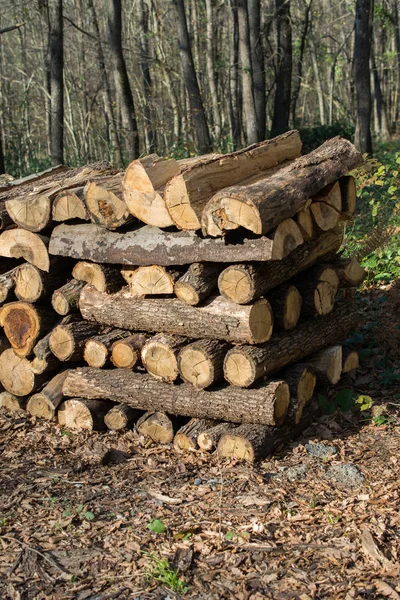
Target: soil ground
74,517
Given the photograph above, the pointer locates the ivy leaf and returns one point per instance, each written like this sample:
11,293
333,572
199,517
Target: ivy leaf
156,526
345,399
89,516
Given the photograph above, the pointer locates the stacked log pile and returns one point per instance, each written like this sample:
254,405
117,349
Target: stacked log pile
199,301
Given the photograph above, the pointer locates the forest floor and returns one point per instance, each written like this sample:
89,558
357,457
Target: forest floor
81,521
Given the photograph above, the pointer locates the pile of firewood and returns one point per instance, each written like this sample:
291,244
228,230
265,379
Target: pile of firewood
207,296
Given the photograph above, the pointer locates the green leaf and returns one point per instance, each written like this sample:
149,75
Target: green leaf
365,402
66,513
88,515
326,407
80,508
156,526
229,536
345,399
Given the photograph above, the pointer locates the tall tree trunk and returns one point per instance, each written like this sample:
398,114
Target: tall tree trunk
56,81
249,109
280,122
123,87
212,84
299,67
318,81
397,46
189,73
144,63
2,161
381,121
234,99
362,51
257,62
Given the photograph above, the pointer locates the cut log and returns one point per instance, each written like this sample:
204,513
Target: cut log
243,283
201,363
350,272
157,426
104,278
266,403
32,284
160,356
243,365
143,192
151,246
67,340
208,440
121,416
12,403
78,413
217,318
301,380
286,303
66,299
305,223
97,350
318,288
70,205
295,411
325,216
32,213
186,437
286,238
261,206
6,221
125,353
45,403
199,281
18,243
327,365
103,199
187,194
17,376
7,284
24,323
349,195
150,281
351,360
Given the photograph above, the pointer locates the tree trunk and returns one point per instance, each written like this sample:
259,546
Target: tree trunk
17,375
122,85
299,65
318,288
362,50
157,426
262,205
212,84
257,63
245,364
301,380
234,91
327,365
216,319
266,403
12,403
280,121
249,109
56,50
286,304
148,246
382,125
70,205
103,198
189,74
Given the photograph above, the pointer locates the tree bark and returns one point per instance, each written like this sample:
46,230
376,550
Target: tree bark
234,89
257,63
208,439
189,74
212,84
362,51
266,403
67,340
249,109
286,303
280,121
199,282
262,205
56,51
186,437
45,403
216,319
121,417
327,365
105,278
66,299
301,380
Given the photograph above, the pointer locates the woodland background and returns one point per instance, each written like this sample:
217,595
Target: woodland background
86,80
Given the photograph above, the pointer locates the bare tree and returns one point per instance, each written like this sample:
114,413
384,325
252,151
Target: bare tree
362,53
257,63
192,86
234,91
249,109
123,87
56,54
280,121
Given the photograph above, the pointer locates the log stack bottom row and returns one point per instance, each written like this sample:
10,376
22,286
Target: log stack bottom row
201,302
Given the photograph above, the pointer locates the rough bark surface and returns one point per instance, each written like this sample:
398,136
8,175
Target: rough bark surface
199,282
45,403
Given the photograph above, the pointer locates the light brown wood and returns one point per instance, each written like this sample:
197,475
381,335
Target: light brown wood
199,282
262,205
187,194
286,303
32,284
97,350
104,203
350,272
243,283
77,413
286,237
201,363
67,340
244,365
121,417
305,223
17,376
24,323
125,353
44,403
160,356
350,360
217,318
186,437
327,364
301,380
32,213
150,281
18,243
157,426
105,278
12,403
70,205
266,403
66,299
208,440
